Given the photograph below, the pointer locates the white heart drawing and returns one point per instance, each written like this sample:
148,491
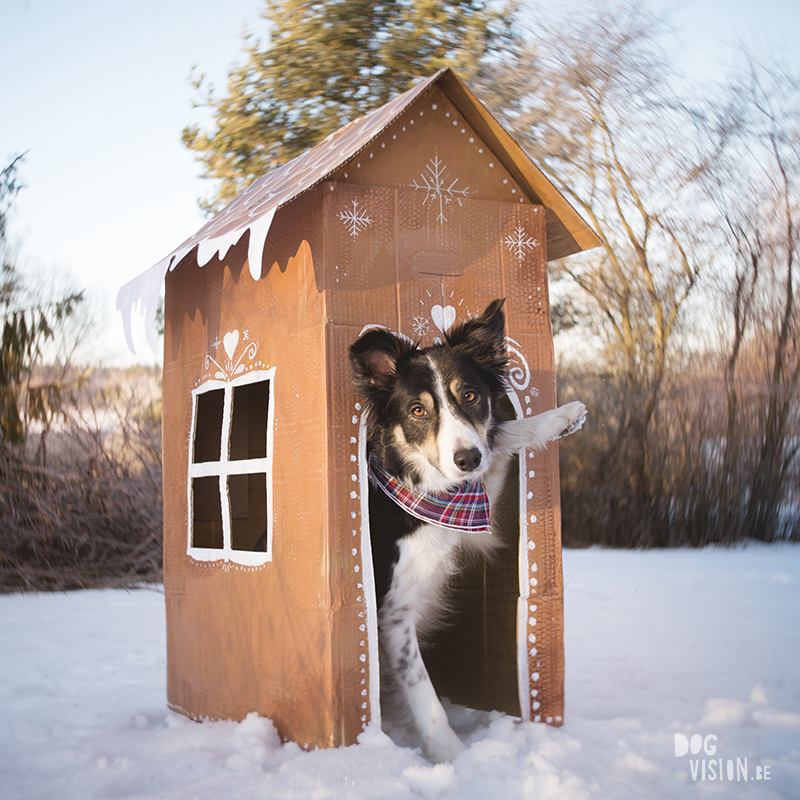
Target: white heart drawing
230,341
443,318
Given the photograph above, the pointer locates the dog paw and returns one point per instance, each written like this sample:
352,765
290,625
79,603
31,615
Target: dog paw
574,415
443,749
535,432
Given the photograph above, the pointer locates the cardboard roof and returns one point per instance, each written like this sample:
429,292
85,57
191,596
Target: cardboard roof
255,207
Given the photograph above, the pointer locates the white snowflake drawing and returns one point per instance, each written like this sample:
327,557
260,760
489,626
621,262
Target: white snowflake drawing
435,184
520,243
356,220
421,325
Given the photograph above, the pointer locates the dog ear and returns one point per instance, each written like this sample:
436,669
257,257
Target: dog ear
483,337
374,358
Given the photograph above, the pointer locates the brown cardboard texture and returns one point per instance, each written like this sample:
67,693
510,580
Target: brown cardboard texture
413,218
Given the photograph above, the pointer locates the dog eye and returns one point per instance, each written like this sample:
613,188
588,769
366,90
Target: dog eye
470,396
418,411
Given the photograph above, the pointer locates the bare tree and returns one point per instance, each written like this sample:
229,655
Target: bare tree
757,190
597,114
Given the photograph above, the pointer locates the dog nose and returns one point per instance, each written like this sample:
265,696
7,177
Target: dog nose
467,459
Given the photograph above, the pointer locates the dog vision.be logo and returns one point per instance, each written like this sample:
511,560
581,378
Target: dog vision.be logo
715,769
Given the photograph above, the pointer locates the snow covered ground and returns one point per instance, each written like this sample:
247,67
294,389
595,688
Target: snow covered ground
699,643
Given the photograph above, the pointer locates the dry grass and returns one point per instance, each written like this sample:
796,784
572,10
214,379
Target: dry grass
80,504
690,498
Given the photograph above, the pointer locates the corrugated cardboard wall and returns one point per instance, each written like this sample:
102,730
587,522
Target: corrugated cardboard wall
290,639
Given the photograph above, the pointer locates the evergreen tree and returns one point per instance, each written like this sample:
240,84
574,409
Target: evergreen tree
327,63
25,330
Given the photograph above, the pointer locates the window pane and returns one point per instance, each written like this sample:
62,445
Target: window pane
248,496
249,425
208,427
206,513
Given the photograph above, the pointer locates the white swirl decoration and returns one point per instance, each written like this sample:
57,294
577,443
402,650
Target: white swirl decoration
519,374
250,353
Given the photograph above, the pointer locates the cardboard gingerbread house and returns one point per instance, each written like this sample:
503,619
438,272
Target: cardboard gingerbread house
413,217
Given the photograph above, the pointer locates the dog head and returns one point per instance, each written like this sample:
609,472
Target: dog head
432,413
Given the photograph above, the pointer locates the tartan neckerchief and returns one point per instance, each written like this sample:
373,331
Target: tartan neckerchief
465,509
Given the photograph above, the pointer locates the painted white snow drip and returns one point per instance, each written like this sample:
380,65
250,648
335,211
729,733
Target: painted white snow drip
259,231
218,245
663,648
145,288
142,291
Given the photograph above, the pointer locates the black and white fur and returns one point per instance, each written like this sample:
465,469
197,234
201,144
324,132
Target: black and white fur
433,420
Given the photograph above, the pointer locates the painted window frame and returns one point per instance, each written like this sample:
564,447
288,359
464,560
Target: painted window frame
225,467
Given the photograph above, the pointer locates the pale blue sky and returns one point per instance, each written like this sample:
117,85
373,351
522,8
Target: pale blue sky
97,92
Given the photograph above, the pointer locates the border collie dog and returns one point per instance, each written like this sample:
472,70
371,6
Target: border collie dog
438,450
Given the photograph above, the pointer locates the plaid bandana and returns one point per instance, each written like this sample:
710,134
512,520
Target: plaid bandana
466,509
